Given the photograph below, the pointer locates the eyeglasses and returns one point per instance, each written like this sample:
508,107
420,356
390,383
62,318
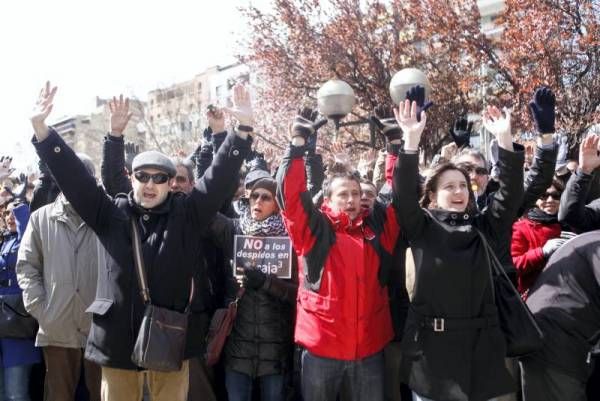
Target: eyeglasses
469,168
263,197
158,178
554,195
181,179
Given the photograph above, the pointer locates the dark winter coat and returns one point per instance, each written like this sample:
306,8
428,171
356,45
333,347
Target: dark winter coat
573,209
452,282
261,341
170,234
565,301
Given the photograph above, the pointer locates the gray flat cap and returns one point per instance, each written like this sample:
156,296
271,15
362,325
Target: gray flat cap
154,159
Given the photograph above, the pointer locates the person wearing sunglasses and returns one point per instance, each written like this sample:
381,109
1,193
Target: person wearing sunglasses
257,352
170,227
536,237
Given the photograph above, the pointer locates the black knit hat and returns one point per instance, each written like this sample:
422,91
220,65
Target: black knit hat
266,183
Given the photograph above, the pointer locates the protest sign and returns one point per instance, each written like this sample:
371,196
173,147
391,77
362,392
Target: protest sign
271,255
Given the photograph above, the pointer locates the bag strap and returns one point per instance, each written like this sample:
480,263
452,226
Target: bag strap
495,265
139,263
138,259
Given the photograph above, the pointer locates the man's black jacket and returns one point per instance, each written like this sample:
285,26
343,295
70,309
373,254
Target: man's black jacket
170,236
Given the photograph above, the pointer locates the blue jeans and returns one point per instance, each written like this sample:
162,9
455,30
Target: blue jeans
14,383
323,378
239,386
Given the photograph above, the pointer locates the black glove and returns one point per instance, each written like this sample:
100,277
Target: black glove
461,132
254,278
417,94
386,122
19,195
542,109
131,151
305,124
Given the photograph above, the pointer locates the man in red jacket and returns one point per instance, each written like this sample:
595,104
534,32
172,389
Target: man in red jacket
343,319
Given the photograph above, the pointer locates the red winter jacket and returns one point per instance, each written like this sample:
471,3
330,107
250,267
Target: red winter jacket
342,307
528,238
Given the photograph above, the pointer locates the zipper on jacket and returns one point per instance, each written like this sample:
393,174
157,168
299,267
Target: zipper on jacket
169,326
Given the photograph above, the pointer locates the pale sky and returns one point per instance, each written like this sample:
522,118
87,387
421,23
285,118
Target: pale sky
92,48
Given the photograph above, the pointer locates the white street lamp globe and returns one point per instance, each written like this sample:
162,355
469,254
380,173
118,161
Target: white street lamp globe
335,99
405,79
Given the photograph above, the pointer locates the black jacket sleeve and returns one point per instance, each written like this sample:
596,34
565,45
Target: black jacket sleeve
405,199
573,210
45,191
112,169
315,172
214,188
78,186
540,176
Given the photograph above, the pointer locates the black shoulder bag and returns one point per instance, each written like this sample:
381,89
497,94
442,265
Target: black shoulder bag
160,342
15,322
521,331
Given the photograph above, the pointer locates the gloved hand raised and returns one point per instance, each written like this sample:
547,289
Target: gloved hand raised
253,278
384,119
542,108
417,94
552,246
305,124
461,132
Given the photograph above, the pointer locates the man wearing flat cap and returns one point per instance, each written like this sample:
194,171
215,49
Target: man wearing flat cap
170,226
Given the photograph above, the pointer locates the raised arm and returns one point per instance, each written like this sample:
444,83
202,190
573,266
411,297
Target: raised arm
214,188
573,209
113,155
78,186
506,201
411,217
539,178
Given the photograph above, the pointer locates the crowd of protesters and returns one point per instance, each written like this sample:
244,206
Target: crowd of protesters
391,295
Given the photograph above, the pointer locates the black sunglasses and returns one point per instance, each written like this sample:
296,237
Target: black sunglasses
554,195
158,178
263,197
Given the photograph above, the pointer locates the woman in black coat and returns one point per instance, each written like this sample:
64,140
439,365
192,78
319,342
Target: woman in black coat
453,348
258,351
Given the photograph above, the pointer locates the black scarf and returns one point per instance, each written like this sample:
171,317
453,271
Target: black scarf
539,216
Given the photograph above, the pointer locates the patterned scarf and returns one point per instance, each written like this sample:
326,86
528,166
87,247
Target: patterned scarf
272,226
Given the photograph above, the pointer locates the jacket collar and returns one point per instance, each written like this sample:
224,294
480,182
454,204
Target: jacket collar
160,209
340,221
452,218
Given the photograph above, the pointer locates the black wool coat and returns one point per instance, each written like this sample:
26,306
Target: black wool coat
170,234
452,281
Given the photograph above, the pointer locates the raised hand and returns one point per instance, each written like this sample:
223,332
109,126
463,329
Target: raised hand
340,154
542,108
499,125
461,132
41,110
387,124
119,115
216,119
5,169
366,161
306,125
589,159
412,127
449,151
242,106
417,94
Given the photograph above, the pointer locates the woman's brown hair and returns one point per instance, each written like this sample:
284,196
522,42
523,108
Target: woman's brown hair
432,181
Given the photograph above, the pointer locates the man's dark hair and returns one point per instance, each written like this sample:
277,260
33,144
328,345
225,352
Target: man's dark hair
178,161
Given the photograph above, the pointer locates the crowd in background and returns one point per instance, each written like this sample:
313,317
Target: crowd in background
391,295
